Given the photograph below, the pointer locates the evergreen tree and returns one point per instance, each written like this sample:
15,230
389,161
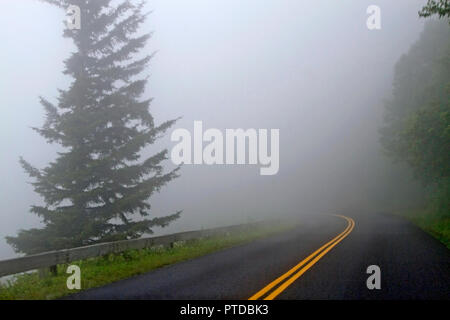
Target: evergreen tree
441,8
416,127
97,190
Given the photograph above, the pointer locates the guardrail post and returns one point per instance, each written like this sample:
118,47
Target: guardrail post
49,271
53,270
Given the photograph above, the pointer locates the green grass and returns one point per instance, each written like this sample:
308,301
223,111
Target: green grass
96,272
438,225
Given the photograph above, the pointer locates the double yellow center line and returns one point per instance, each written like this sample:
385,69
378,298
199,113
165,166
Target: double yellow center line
296,272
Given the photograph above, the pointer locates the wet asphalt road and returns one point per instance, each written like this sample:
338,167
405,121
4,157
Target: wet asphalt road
413,265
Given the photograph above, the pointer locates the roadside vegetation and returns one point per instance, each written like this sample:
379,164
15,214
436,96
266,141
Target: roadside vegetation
100,271
416,128
435,223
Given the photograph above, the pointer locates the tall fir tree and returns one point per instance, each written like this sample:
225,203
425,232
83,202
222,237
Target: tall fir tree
97,190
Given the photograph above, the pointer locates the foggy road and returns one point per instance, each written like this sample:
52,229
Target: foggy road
325,257
127,124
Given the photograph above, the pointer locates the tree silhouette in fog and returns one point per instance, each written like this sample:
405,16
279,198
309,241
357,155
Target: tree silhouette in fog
98,188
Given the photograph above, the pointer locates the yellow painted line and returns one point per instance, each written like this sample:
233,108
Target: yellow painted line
303,262
288,282
319,253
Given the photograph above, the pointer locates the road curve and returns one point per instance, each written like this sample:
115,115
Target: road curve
325,257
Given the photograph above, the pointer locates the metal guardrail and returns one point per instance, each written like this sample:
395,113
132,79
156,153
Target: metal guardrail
53,258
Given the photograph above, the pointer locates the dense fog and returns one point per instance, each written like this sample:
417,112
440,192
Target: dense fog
311,69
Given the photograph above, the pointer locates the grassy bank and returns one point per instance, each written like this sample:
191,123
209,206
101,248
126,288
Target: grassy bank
438,225
103,270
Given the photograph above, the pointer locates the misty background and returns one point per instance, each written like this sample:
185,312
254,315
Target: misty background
309,68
